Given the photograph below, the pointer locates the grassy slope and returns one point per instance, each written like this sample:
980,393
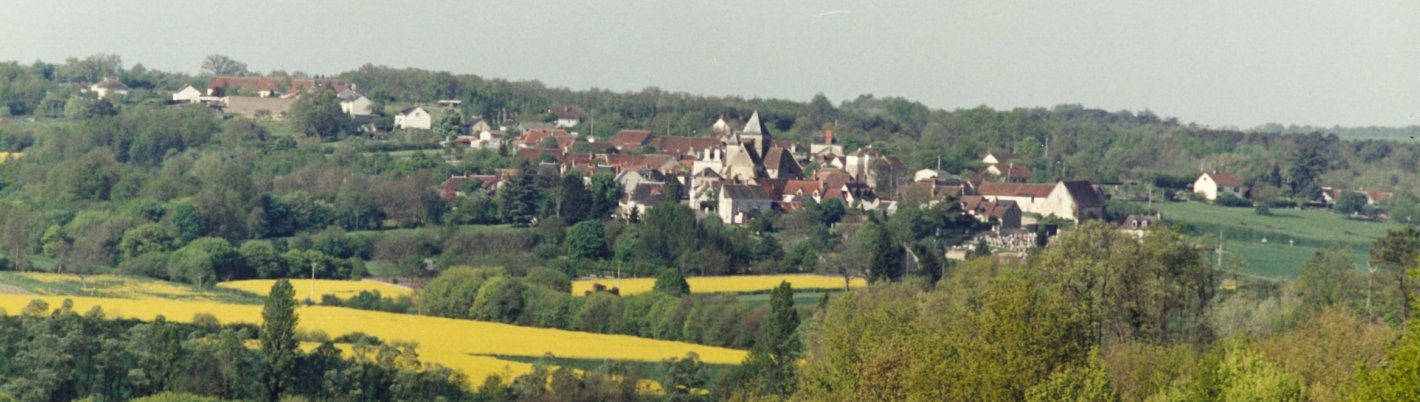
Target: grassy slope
1244,230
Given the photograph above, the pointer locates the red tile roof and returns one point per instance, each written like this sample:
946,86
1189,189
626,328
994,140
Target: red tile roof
632,139
534,138
803,187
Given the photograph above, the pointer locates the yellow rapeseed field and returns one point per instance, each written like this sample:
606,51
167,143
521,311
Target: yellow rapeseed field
458,344
5,156
337,288
722,284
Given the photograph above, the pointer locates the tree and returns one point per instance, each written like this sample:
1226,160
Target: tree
146,238
279,347
216,64
587,239
682,376
184,217
572,199
1328,279
669,231
317,113
1081,384
605,193
770,368
519,198
452,293
500,299
1394,256
672,282
261,258
1350,203
876,253
451,125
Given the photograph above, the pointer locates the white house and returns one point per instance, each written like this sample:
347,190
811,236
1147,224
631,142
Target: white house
188,94
741,202
567,116
354,104
1212,184
413,117
108,87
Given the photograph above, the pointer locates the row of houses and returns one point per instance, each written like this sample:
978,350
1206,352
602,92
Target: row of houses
742,173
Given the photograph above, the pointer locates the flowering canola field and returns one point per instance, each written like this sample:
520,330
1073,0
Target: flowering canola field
722,284
338,288
458,344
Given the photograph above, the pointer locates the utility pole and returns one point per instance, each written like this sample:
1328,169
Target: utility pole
313,282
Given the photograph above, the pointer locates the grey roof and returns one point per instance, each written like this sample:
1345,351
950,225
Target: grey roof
1084,194
745,192
348,95
648,193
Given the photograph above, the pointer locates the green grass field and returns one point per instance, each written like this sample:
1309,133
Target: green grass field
1244,231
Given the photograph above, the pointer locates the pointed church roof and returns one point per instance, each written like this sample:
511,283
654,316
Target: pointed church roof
754,126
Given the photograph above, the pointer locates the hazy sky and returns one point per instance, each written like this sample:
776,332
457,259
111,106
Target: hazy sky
1215,62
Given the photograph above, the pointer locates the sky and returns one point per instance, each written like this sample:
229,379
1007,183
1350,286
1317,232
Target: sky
1223,63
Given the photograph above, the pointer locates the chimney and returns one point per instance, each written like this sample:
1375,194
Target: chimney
828,137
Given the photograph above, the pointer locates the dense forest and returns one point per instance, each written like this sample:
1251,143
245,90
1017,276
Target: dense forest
136,185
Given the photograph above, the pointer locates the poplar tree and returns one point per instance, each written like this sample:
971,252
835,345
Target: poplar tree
279,348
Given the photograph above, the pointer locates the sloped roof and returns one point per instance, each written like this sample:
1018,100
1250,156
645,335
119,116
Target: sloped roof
1084,194
782,160
744,192
532,155
1015,189
805,187
648,193
535,137
630,138
754,126
683,145
1225,179
566,112
1009,170
110,83
411,109
833,178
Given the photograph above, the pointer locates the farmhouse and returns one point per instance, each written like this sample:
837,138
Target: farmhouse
1212,184
1072,200
413,117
